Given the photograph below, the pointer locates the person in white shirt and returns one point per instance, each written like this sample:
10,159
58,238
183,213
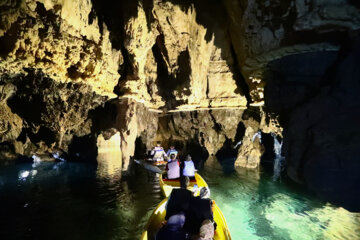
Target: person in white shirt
158,153
189,167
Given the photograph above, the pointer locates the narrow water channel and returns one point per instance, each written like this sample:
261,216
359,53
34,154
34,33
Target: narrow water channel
69,200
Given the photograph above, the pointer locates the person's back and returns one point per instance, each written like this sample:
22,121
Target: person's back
189,167
198,211
173,169
173,229
179,201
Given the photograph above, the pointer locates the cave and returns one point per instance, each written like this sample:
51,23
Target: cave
263,95
267,159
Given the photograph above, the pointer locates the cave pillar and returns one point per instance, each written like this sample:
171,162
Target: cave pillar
251,150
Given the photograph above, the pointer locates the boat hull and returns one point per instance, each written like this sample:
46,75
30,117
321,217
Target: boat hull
168,185
158,216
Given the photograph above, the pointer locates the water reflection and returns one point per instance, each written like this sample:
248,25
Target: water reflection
67,200
258,208
109,157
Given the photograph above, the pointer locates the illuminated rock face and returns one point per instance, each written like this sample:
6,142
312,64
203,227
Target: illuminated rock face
208,129
56,37
181,57
59,67
10,123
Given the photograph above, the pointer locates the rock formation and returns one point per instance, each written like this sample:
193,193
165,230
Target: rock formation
265,31
79,76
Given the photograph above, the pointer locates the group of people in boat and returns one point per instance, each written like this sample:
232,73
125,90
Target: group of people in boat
174,167
187,216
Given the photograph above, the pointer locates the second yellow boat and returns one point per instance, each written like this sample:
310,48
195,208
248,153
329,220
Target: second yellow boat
167,185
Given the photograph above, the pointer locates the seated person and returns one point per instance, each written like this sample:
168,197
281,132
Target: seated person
158,153
179,201
197,213
199,210
173,168
189,167
207,230
173,229
172,150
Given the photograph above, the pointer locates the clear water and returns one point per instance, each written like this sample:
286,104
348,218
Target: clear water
76,201
257,207
68,200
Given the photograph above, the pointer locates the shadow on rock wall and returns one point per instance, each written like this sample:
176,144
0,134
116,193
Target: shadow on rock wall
316,95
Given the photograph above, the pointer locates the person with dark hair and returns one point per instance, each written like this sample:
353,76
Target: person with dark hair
173,168
173,229
189,167
172,150
158,153
187,215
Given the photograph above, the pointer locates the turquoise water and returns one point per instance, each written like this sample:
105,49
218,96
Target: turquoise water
79,201
257,207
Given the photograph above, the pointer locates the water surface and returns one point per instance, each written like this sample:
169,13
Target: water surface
69,200
257,207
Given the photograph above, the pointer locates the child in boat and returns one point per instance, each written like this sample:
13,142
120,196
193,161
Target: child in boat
172,150
173,168
158,153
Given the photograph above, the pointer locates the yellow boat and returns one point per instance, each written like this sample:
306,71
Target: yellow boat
158,216
167,185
